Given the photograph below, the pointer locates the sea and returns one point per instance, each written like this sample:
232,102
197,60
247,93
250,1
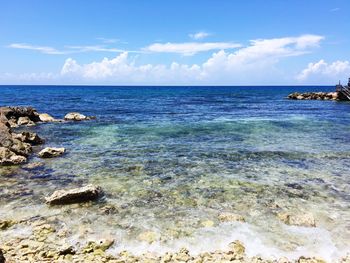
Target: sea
171,159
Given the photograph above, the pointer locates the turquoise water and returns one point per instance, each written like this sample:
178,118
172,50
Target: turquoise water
171,159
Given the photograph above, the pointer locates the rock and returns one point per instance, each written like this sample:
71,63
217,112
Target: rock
5,224
44,117
101,245
75,116
238,249
50,152
314,96
2,258
25,121
148,236
28,137
77,195
310,260
8,157
230,217
66,249
20,148
31,166
306,219
207,223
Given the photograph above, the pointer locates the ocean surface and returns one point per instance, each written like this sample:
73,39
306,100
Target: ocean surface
170,159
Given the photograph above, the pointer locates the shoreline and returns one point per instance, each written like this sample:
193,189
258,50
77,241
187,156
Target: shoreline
40,247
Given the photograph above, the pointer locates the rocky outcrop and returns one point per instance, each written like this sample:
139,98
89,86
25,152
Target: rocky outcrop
76,116
314,96
16,147
304,219
50,152
77,195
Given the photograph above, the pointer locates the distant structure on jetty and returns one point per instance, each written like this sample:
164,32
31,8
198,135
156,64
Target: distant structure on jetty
341,93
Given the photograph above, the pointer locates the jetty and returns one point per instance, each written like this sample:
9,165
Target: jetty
341,93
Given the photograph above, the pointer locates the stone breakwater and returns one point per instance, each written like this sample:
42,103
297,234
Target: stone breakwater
314,96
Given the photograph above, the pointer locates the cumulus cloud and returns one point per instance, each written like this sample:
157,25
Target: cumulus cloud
253,64
322,70
199,35
189,48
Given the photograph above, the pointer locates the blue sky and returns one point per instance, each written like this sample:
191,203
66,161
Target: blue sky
174,42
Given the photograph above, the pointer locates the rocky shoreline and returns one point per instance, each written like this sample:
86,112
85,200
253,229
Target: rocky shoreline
47,242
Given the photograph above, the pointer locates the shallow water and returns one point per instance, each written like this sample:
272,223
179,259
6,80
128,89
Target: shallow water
172,158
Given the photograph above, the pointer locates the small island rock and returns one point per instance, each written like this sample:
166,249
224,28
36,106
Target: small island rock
75,116
76,195
50,152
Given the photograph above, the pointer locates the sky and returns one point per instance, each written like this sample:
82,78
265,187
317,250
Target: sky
182,42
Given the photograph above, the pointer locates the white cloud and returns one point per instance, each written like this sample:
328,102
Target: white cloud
335,9
42,49
254,64
322,70
199,35
189,48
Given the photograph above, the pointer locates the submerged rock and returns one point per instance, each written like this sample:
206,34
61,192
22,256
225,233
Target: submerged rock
76,116
31,166
148,236
77,195
230,217
306,219
237,248
50,152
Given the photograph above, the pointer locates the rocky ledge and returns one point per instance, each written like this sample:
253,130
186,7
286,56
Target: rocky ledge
15,148
314,96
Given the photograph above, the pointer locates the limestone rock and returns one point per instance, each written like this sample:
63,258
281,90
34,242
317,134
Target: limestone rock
25,121
207,223
8,157
148,236
50,152
230,217
310,260
101,245
31,166
44,117
76,195
5,224
306,219
238,249
75,116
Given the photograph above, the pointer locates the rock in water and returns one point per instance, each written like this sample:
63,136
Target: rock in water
44,117
77,195
25,121
306,219
2,258
51,152
76,116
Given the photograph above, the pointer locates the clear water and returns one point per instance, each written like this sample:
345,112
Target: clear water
171,158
